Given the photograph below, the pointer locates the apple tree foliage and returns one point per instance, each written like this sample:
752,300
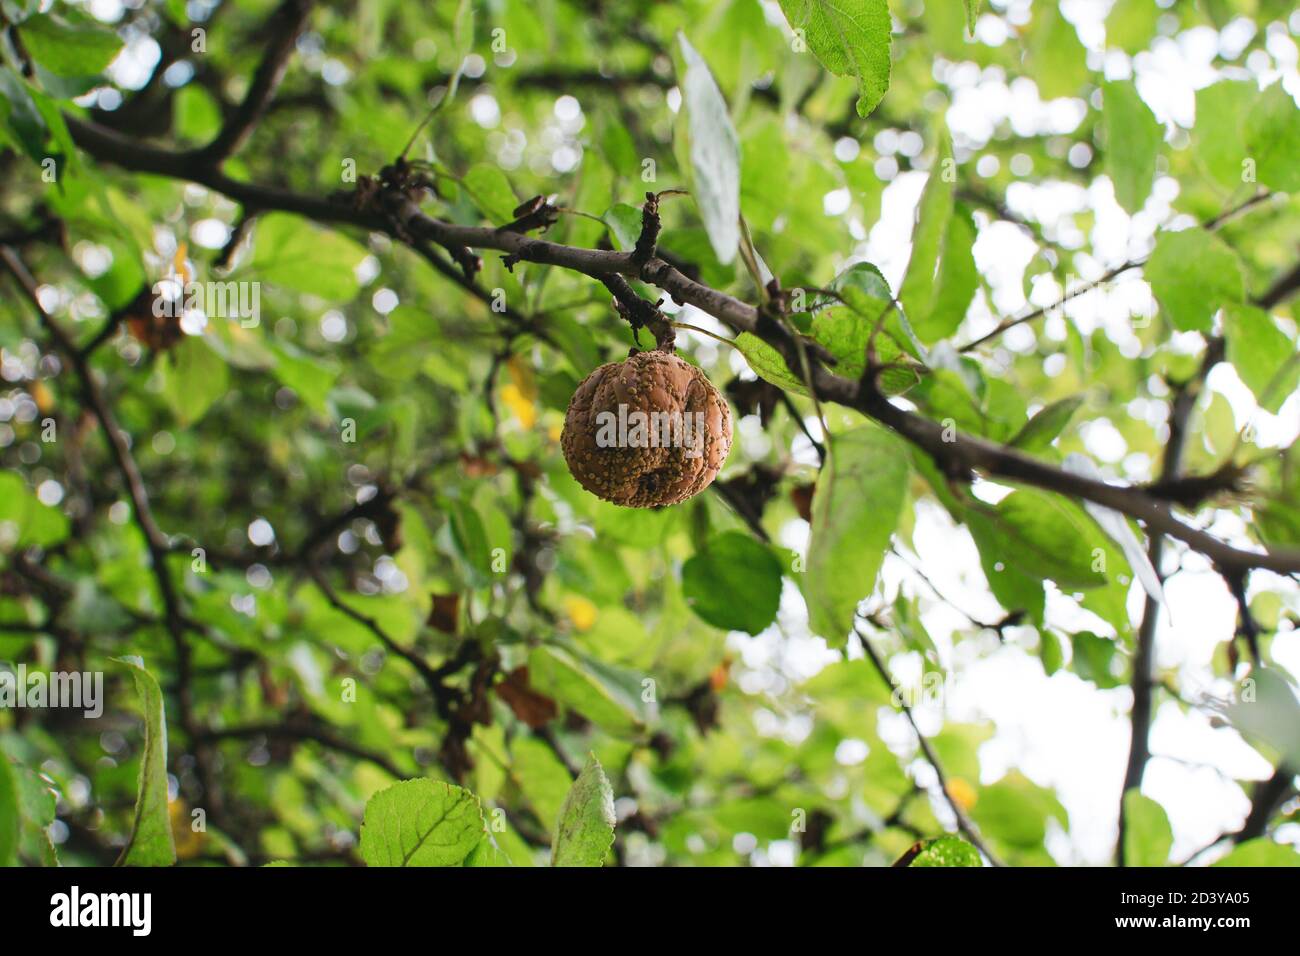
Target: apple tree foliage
973,270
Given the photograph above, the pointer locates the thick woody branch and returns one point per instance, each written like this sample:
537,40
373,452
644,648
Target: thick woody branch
960,457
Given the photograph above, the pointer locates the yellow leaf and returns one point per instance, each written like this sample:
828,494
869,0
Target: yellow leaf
189,842
522,376
581,612
180,266
520,406
40,393
962,793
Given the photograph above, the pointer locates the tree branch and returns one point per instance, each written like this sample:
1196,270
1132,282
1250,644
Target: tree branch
1139,752
433,680
964,823
1286,286
958,458
284,26
1210,224
297,730
157,543
1268,796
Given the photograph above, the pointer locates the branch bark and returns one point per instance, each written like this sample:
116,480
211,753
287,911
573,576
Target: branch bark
1268,796
958,458
284,26
1139,752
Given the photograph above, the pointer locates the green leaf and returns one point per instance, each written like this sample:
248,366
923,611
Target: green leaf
413,334
1015,811
1057,61
462,37
1117,528
714,154
941,277
856,507
151,842
503,848
957,745
1094,658
733,583
1015,589
956,282
24,519
1262,354
1131,25
1192,274
421,823
866,292
36,809
1277,512
1050,652
66,49
972,14
23,120
9,815
1133,139
471,542
491,192
310,377
624,224
947,851
193,376
849,38
767,363
61,145
1260,852
844,331
542,777
1218,138
586,828
1147,834
291,252
1268,711
593,690
1047,423
197,114
1272,131
1048,536
486,854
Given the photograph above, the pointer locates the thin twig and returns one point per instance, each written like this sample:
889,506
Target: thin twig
964,823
